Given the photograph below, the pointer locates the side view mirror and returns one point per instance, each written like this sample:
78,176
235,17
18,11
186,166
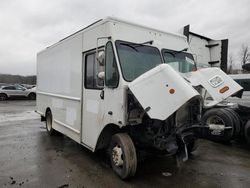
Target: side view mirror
100,58
101,75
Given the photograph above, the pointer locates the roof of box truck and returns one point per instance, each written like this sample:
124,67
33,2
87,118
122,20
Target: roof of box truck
112,19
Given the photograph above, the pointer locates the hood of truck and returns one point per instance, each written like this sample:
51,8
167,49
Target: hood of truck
218,84
161,91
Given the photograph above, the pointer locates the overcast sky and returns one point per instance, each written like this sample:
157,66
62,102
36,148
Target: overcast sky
28,26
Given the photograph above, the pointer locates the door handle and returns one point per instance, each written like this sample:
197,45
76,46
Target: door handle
102,94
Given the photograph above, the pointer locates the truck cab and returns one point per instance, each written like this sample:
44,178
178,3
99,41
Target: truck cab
121,87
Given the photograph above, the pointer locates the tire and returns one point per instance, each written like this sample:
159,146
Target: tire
237,121
191,147
49,120
247,132
32,96
3,97
219,117
123,155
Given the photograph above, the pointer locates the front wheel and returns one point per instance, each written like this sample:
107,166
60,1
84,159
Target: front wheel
221,125
123,155
3,97
192,146
247,132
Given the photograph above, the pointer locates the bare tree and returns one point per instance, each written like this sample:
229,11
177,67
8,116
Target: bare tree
230,63
244,54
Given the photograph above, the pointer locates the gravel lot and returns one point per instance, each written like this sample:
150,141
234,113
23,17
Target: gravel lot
30,158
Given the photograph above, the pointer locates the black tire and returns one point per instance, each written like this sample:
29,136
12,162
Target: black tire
32,96
247,132
49,120
3,97
237,121
123,155
191,147
219,116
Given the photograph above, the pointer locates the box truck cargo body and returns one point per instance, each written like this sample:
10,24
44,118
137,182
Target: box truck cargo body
109,86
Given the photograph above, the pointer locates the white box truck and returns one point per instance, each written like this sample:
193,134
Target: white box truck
113,85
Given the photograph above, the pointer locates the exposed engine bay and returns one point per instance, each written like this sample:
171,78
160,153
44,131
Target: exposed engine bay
164,136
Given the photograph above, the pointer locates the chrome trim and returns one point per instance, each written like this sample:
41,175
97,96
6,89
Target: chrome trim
60,96
66,126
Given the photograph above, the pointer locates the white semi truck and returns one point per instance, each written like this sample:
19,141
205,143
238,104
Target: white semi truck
230,118
118,86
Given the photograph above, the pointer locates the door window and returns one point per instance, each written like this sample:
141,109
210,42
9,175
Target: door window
9,88
111,71
92,68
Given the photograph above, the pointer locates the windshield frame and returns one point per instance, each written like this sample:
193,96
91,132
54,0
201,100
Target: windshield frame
177,52
133,43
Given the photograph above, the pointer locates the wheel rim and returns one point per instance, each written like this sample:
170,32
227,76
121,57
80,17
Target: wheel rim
216,125
2,97
117,156
49,122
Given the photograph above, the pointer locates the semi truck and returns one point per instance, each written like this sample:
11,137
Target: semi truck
124,88
230,118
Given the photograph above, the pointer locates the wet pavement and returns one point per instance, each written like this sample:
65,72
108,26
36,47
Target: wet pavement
30,158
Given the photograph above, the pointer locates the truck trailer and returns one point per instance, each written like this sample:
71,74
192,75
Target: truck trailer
115,85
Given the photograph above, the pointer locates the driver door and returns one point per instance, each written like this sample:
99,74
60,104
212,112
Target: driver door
92,104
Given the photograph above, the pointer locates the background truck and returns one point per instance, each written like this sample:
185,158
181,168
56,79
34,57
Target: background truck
230,119
112,86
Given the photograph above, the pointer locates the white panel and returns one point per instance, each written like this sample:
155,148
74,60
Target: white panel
70,115
153,90
59,68
92,106
138,34
57,103
203,77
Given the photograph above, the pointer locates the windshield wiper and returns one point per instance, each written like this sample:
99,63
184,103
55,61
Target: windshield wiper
173,53
129,45
183,50
134,46
142,44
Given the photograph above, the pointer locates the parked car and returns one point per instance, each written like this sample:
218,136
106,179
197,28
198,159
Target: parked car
16,91
28,86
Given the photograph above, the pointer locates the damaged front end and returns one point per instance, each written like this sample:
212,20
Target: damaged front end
163,112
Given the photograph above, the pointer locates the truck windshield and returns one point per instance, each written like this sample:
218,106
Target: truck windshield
136,59
180,61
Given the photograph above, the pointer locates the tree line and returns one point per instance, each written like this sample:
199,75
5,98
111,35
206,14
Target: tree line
243,58
17,79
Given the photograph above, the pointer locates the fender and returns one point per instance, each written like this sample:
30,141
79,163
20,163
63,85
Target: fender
161,91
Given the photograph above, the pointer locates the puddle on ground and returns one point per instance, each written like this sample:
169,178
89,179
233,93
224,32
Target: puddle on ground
5,117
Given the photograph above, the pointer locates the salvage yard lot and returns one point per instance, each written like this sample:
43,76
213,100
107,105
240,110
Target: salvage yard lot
30,158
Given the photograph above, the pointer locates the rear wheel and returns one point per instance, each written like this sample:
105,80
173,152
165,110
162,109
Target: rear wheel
32,96
49,120
237,121
123,155
3,97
